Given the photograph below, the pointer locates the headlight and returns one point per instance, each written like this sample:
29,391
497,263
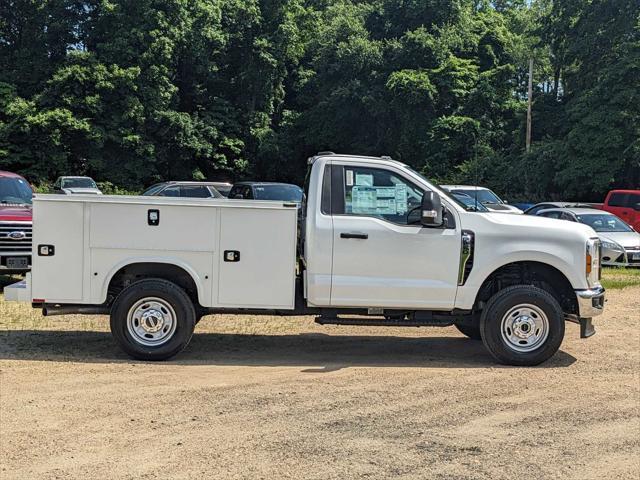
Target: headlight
612,246
592,261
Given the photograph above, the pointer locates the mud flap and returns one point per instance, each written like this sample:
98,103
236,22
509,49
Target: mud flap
586,328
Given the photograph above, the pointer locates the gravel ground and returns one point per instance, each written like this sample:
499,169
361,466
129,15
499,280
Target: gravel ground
262,397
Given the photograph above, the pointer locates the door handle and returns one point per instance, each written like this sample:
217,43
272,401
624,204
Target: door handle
361,236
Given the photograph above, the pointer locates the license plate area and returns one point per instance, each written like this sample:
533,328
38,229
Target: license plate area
17,262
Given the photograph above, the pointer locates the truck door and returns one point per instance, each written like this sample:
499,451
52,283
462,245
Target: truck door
382,255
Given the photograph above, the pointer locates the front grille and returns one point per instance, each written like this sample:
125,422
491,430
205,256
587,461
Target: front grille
15,237
630,252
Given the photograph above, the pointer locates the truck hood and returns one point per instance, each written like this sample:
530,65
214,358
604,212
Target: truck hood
15,213
83,191
541,225
624,239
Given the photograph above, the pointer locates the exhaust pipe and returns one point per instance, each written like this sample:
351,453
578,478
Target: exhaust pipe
51,310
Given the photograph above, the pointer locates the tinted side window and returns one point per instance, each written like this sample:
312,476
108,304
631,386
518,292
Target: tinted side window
235,191
381,193
550,214
617,200
194,191
632,200
325,202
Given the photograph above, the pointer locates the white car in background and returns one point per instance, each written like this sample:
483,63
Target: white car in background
484,196
620,242
76,185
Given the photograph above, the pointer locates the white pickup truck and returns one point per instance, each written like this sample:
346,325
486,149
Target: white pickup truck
375,243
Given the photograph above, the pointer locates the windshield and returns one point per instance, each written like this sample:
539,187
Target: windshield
81,182
450,196
289,193
15,190
601,222
470,204
153,189
483,196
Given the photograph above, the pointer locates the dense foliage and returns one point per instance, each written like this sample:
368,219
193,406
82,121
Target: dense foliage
134,91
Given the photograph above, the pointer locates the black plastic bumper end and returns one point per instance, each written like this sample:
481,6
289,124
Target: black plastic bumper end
586,328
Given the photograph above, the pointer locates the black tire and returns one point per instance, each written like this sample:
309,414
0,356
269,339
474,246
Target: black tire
497,308
471,330
166,292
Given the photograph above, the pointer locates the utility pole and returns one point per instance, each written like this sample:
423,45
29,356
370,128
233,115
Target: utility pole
529,99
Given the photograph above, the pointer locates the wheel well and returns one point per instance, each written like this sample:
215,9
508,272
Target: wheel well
538,274
138,271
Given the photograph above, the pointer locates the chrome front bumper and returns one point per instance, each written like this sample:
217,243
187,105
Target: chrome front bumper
590,302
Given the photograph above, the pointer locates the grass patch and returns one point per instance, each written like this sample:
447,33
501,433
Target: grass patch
615,278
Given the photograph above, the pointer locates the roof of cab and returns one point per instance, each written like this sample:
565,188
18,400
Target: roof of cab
381,159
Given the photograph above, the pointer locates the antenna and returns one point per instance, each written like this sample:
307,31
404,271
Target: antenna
475,169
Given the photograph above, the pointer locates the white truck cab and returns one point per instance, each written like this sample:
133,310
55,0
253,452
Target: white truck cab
375,244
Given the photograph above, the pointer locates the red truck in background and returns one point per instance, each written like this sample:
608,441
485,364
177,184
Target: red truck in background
624,204
15,223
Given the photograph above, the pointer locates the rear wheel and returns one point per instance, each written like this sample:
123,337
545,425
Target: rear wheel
153,319
522,325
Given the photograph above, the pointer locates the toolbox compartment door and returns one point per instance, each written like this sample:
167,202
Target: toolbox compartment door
59,276
257,258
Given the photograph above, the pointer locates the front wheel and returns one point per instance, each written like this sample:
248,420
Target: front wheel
153,319
522,325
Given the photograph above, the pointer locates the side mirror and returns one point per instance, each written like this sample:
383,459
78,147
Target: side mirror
636,207
431,215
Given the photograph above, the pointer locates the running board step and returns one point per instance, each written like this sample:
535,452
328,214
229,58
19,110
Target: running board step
381,322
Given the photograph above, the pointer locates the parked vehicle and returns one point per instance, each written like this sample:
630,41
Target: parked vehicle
624,204
469,203
381,245
547,205
15,223
483,195
620,243
185,189
266,191
76,185
522,205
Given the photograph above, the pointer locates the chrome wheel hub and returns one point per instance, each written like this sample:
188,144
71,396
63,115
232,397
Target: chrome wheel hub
151,321
524,328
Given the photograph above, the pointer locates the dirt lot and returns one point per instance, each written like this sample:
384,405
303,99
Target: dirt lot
284,398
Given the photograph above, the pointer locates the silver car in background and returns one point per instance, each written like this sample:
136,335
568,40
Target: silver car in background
76,185
188,189
620,242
